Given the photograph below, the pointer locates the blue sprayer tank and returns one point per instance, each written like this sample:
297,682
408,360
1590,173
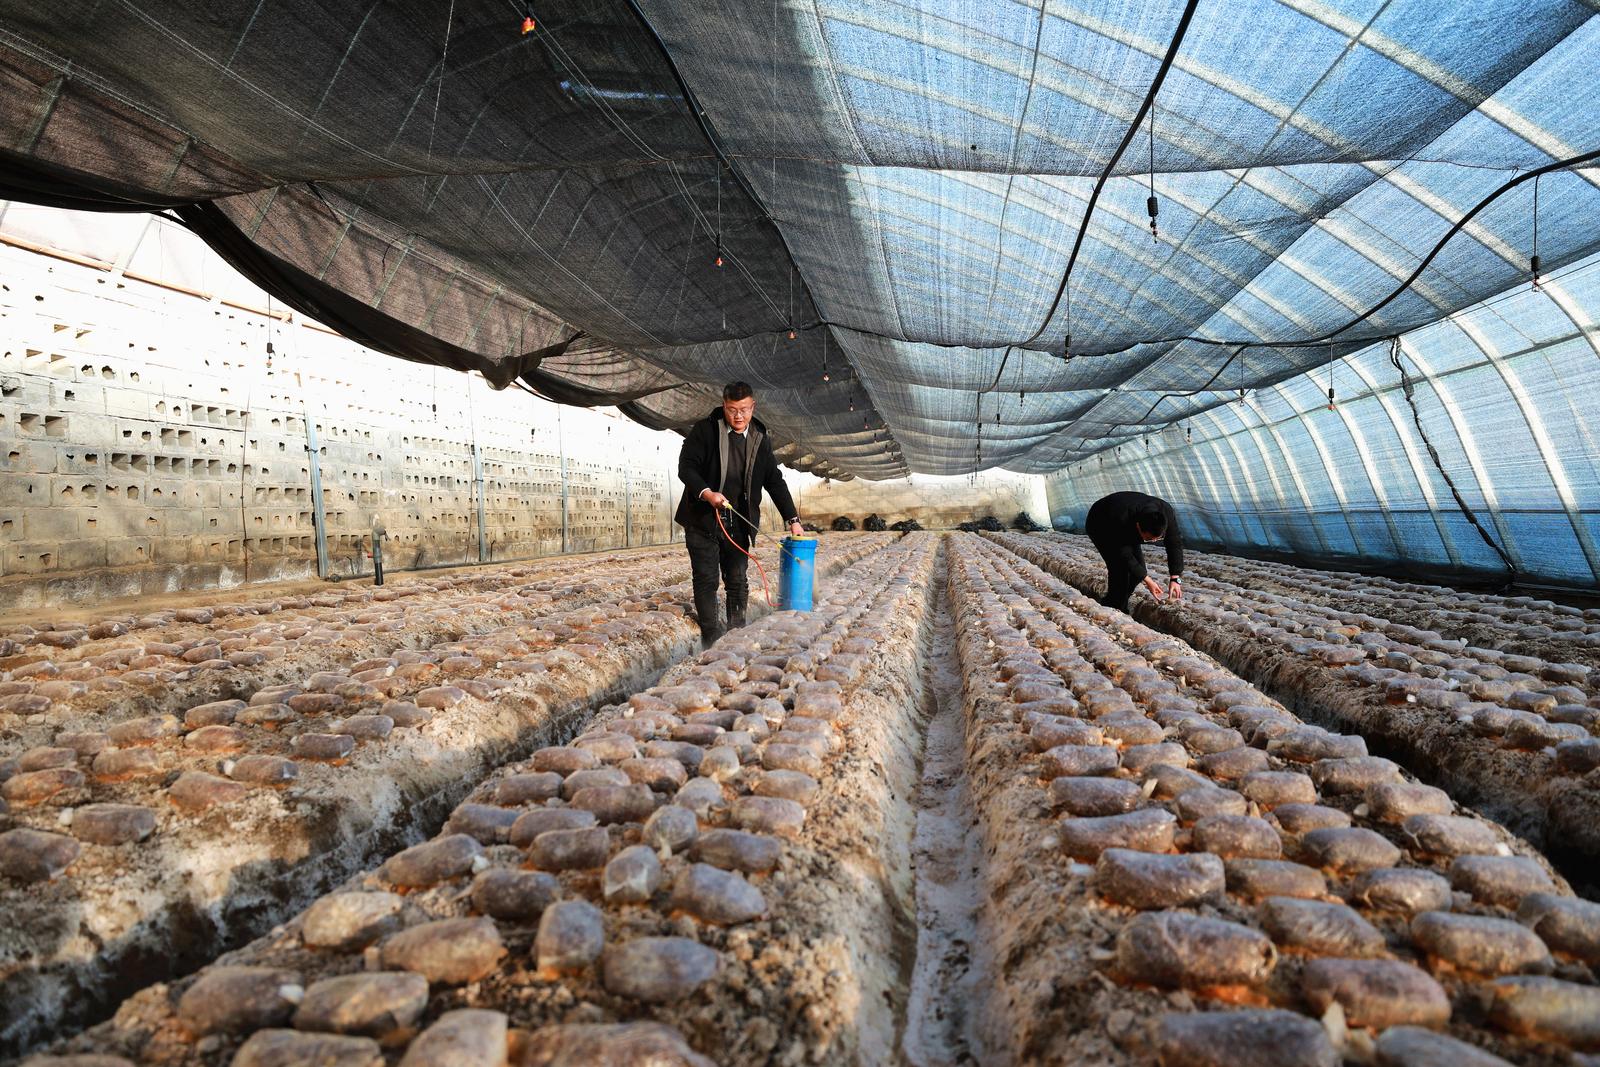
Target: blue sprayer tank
797,572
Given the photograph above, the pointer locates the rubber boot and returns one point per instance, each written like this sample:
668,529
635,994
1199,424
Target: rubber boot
736,613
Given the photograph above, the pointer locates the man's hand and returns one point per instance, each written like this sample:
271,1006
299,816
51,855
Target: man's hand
1155,588
714,498
1174,590
796,530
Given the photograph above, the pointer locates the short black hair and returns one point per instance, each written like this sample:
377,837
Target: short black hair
737,391
1152,523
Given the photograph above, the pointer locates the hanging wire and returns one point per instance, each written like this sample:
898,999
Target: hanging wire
1066,342
444,61
1153,205
1408,390
718,261
1173,45
1533,264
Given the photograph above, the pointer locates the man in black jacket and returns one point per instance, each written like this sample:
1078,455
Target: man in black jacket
1119,525
726,460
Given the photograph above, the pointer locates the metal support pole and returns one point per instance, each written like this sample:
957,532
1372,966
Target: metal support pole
627,502
561,455
477,481
477,474
319,518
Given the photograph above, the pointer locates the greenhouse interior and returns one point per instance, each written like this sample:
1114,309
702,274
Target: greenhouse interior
944,533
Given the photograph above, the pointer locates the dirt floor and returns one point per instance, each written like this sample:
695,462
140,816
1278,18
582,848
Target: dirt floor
959,814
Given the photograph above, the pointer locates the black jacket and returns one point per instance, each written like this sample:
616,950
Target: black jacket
700,468
1111,521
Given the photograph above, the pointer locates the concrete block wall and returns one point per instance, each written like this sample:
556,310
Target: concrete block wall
148,443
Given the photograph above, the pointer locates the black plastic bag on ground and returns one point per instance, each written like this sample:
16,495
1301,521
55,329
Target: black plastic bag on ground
844,523
874,523
1024,523
906,525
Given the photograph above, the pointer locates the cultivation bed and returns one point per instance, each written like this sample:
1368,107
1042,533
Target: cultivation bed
720,863
1182,872
1509,734
145,849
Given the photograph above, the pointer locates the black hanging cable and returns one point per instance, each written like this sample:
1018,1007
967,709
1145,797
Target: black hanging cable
1408,390
1105,175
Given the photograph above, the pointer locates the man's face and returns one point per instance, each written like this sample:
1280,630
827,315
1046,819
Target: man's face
739,412
1146,536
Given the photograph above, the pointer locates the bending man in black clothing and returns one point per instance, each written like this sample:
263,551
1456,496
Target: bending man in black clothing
726,459
1119,525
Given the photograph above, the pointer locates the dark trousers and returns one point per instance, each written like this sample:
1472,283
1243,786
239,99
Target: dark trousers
711,557
1124,571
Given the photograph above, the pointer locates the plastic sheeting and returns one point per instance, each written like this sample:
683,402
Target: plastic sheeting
904,183
1506,394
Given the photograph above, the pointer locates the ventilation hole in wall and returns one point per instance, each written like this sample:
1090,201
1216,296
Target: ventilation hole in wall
133,492
5,525
133,376
69,395
67,492
150,520
90,523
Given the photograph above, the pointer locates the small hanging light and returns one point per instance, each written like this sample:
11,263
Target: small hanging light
1533,264
1151,204
718,261
791,333
1330,386
528,22
1188,435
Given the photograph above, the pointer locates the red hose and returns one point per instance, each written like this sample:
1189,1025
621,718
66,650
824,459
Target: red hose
766,590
